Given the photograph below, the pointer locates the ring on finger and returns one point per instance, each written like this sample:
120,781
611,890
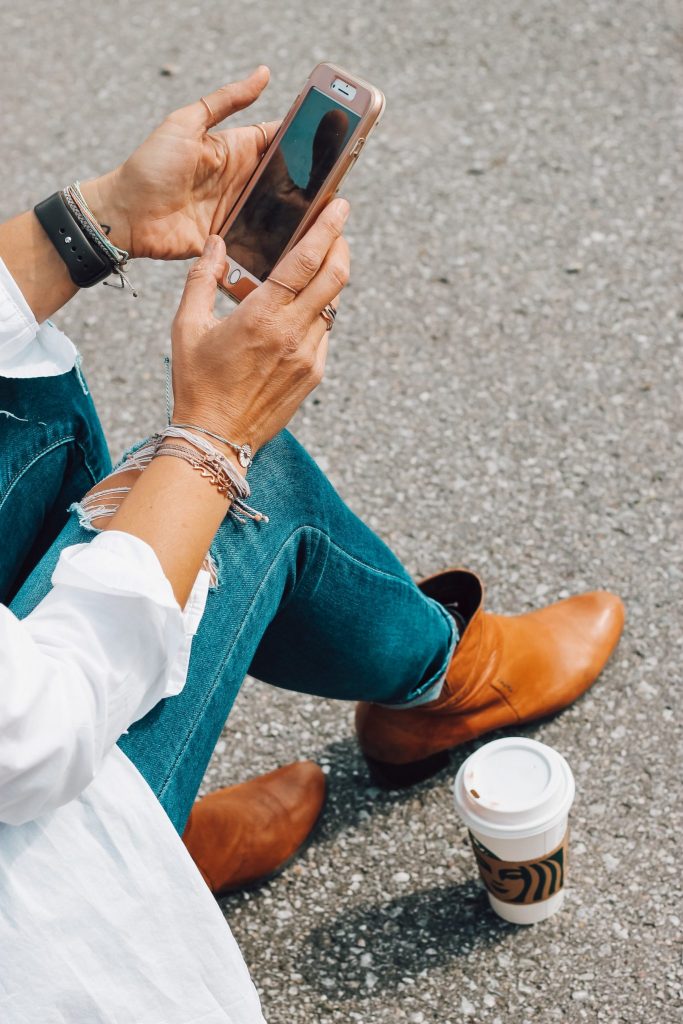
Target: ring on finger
211,113
329,315
282,284
262,128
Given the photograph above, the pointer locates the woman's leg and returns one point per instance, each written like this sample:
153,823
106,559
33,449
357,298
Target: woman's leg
312,601
52,449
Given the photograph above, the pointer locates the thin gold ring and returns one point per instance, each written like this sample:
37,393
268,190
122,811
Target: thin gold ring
211,113
283,285
266,143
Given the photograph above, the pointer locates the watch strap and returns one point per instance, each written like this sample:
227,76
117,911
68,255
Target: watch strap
86,265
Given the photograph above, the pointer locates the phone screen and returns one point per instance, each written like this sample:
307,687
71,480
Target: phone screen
290,182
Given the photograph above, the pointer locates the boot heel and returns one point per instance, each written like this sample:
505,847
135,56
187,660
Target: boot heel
400,776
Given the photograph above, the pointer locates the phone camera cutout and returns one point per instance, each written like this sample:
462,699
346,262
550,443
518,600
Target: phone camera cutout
343,88
235,276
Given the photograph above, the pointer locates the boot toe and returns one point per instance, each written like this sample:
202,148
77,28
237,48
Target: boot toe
569,644
243,835
301,789
610,613
598,623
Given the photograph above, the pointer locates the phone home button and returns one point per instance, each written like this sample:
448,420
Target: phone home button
235,275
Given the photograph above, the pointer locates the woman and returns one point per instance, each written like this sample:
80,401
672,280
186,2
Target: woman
107,721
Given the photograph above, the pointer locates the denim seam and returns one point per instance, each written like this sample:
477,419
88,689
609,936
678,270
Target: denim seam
354,558
93,476
209,694
22,472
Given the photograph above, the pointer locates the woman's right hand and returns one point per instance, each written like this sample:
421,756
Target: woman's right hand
244,376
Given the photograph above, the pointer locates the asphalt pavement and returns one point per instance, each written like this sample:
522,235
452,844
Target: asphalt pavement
503,391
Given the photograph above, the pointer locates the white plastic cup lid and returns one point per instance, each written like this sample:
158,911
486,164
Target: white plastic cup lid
513,788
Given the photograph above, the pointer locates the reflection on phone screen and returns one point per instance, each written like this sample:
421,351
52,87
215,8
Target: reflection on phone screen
290,182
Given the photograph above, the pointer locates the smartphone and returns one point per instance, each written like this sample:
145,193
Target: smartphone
315,147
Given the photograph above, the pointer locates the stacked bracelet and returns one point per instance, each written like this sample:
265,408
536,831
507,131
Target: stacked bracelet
203,457
81,240
207,466
243,451
212,464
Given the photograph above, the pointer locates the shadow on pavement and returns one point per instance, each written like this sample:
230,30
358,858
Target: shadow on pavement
354,797
373,947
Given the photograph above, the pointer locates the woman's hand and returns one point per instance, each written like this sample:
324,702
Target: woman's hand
245,376
180,184
242,377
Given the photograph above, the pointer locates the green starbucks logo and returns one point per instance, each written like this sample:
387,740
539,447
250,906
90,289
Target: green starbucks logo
528,881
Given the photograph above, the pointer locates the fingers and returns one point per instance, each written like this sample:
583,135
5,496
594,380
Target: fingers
250,140
229,98
320,359
199,296
303,262
314,347
328,282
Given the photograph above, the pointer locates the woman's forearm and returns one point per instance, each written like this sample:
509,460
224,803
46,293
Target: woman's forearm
175,510
35,264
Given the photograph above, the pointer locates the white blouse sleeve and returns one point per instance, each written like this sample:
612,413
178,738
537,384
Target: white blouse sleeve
29,349
102,648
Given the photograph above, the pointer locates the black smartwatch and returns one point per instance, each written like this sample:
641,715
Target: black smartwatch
86,262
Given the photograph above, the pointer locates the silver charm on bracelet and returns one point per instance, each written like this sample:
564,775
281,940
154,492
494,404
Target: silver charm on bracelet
245,455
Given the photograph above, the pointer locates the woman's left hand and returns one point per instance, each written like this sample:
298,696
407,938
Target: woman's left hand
178,187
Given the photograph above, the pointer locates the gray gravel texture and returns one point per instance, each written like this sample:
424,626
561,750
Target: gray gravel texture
503,390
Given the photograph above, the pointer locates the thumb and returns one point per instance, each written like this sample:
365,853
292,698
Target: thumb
199,295
216,106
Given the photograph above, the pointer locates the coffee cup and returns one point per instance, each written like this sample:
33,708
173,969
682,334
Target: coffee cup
514,796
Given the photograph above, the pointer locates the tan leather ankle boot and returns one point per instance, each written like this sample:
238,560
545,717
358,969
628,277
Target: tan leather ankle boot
506,670
244,835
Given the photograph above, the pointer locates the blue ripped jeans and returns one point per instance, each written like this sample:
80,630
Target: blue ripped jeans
312,601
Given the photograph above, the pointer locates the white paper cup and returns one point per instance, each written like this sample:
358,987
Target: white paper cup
514,796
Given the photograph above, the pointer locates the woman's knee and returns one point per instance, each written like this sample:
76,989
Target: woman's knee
285,478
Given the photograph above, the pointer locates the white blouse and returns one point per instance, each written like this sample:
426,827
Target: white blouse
103,915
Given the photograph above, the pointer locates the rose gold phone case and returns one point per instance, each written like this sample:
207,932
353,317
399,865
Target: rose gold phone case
369,102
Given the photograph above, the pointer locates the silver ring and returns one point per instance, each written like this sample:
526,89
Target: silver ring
329,315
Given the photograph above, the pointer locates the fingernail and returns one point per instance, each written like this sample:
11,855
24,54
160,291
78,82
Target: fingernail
343,209
213,244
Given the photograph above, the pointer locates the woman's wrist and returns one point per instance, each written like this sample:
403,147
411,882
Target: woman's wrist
219,428
224,449
107,203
